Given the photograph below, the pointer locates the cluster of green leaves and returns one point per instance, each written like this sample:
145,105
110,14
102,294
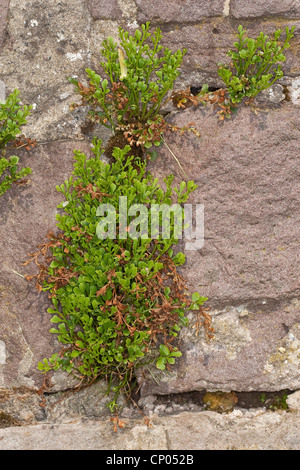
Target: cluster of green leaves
277,402
12,117
114,299
138,73
9,172
255,64
166,356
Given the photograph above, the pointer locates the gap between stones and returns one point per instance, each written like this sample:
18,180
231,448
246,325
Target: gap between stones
163,405
196,401
221,402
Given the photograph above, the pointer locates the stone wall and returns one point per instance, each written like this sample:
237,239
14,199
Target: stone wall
247,169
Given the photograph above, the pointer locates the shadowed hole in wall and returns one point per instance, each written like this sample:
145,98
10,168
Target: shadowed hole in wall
195,90
221,401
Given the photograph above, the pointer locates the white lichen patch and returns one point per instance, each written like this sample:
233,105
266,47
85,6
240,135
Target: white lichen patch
285,361
294,90
2,353
72,56
275,94
230,333
2,91
226,8
60,37
33,23
129,10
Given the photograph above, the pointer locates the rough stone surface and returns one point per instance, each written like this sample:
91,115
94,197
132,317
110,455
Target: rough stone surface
264,8
250,228
90,402
293,401
275,93
103,10
21,405
45,46
2,91
249,265
3,19
239,430
27,214
178,12
53,404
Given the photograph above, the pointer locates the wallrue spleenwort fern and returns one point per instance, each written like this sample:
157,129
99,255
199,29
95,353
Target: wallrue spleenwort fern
138,74
114,300
254,68
255,64
12,117
9,173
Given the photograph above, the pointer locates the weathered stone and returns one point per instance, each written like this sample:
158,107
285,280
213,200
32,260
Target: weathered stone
22,405
178,12
57,405
234,431
265,8
105,10
239,430
90,402
2,91
275,93
3,19
27,214
285,359
246,169
249,226
100,31
42,51
293,401
86,435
